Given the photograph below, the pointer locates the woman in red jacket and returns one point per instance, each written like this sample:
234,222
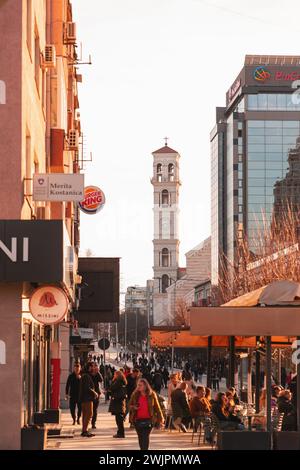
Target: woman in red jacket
145,412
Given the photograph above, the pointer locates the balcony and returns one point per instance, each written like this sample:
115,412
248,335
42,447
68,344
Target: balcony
165,180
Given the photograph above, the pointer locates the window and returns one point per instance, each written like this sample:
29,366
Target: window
171,172
164,283
165,197
165,257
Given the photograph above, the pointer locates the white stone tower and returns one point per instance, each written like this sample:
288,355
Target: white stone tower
166,186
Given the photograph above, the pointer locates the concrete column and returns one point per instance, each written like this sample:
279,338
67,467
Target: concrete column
11,371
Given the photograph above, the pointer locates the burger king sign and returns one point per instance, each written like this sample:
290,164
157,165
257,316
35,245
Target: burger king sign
94,200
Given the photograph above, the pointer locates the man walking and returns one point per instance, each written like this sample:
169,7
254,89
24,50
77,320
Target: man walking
97,380
72,392
87,394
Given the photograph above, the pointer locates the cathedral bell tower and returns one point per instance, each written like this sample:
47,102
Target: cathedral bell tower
166,186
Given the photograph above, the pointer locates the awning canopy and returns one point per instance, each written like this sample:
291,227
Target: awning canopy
164,338
241,316
277,293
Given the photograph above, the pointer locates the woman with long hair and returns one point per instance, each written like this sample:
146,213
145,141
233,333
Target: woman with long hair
226,418
208,395
117,405
145,412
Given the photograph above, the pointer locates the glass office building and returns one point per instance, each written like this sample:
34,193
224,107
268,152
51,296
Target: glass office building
255,154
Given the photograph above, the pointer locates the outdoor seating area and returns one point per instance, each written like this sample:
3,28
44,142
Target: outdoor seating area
264,325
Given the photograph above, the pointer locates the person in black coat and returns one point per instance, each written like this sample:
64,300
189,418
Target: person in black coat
87,395
132,379
166,376
98,381
72,392
227,419
286,406
157,381
180,407
117,406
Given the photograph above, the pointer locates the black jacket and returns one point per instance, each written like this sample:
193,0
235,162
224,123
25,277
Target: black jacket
217,410
289,422
97,380
72,386
118,397
179,404
86,389
131,385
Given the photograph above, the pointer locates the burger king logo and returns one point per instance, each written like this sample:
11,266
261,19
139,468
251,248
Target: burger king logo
94,200
261,74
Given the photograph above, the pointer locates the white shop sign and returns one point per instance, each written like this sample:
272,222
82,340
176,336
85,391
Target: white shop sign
58,187
86,333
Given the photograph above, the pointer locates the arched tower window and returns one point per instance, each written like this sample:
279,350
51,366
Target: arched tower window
171,172
165,257
165,197
164,283
159,172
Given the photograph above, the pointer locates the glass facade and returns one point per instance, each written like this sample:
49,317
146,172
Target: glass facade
217,211
273,102
269,146
230,189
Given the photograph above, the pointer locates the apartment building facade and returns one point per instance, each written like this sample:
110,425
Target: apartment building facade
38,132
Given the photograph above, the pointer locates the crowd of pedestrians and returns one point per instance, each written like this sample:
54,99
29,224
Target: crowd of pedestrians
136,393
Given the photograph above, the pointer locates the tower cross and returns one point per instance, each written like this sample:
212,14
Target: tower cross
166,141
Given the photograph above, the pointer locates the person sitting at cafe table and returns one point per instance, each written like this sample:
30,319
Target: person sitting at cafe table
226,418
234,394
200,408
286,406
230,401
208,395
276,389
200,405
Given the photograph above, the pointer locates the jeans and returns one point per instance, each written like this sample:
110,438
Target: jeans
143,429
87,412
120,423
73,403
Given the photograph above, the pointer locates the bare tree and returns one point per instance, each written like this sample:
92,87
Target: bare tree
182,317
272,255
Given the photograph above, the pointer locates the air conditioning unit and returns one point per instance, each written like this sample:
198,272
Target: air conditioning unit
73,139
49,57
70,33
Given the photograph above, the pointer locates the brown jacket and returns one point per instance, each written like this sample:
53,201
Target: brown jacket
153,407
199,406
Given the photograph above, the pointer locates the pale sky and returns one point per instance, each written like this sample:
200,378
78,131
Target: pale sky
160,68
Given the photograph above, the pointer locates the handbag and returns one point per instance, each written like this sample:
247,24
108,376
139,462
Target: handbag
143,423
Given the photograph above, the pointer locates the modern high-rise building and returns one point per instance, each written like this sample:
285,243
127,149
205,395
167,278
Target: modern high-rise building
166,184
251,156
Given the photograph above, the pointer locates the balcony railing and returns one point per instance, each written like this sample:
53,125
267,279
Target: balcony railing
202,302
165,180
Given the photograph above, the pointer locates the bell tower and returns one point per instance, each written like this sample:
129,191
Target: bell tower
166,186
